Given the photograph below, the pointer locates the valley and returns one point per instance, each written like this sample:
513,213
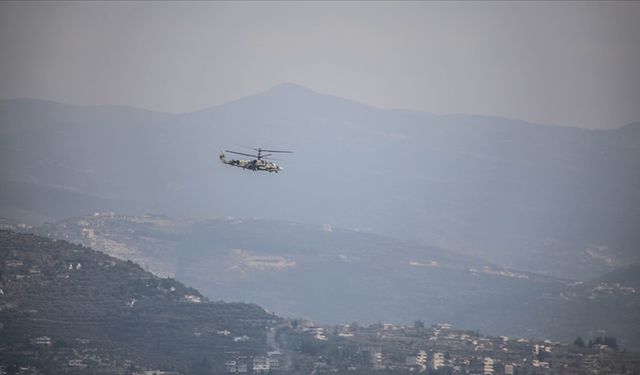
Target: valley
331,275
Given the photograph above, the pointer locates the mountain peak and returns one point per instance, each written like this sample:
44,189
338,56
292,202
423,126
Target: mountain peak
288,88
291,90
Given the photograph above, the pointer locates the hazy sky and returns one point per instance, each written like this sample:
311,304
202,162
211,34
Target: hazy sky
566,63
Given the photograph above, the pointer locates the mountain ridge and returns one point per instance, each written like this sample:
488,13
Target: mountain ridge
367,278
536,198
290,89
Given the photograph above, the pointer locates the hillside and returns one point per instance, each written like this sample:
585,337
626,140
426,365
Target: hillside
606,305
68,309
545,199
628,276
65,307
332,275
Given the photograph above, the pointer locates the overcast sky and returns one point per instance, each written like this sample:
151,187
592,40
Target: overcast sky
570,63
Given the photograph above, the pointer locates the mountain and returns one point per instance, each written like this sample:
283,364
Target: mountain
546,199
607,305
628,276
331,275
65,308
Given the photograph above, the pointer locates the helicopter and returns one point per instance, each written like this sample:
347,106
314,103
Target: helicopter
257,164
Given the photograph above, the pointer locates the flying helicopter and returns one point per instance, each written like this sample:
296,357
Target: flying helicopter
257,164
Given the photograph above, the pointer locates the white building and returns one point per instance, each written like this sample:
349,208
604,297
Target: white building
77,363
488,366
419,360
275,359
261,364
238,365
42,340
376,358
541,364
318,333
192,298
231,366
437,361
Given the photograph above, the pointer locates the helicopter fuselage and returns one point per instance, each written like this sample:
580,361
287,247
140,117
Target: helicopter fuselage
254,165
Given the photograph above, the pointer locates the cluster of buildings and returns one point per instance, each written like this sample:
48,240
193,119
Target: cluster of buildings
319,333
423,361
242,364
441,349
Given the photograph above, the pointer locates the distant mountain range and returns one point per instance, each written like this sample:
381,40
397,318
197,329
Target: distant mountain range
331,275
551,200
65,308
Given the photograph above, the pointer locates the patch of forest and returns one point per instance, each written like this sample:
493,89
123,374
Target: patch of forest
65,307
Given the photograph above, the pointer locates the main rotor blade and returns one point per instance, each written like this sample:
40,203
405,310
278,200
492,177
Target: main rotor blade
258,149
240,153
289,152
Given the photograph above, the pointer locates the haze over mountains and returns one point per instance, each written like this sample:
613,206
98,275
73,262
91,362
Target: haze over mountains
67,309
547,199
333,276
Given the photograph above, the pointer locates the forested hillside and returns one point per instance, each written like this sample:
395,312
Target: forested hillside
67,307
